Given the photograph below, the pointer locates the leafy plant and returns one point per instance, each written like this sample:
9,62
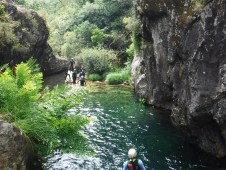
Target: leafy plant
89,23
95,77
84,32
96,60
133,25
98,36
7,35
118,77
142,100
42,116
3,14
130,51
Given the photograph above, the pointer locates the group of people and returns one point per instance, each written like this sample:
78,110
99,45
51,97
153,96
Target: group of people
72,74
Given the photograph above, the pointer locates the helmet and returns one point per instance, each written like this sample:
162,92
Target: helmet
132,153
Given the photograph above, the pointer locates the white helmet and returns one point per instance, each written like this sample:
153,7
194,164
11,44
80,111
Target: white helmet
132,153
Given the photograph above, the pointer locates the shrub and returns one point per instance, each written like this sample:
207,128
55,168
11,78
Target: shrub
133,25
118,78
130,51
96,60
98,36
84,33
95,77
3,14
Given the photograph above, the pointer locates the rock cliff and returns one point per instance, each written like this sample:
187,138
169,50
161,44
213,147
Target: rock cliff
24,34
181,66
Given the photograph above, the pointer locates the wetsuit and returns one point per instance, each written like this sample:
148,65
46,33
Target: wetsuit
74,76
82,73
136,164
82,81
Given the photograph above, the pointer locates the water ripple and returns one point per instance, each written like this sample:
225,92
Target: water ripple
118,123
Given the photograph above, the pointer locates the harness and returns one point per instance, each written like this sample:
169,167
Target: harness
133,164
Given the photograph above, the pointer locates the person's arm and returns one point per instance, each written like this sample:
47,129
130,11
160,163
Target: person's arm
141,165
125,166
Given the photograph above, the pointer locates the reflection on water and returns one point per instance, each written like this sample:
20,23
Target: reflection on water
53,80
119,123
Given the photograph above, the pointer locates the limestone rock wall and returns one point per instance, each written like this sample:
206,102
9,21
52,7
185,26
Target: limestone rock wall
28,38
182,66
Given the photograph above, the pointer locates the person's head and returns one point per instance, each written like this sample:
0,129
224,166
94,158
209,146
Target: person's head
132,153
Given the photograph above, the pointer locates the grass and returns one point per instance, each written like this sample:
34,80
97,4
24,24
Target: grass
118,78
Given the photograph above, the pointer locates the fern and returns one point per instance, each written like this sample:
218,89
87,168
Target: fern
42,116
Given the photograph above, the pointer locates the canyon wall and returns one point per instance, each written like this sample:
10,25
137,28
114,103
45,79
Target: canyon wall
181,66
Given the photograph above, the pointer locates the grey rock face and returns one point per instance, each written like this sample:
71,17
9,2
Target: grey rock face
15,148
182,66
30,35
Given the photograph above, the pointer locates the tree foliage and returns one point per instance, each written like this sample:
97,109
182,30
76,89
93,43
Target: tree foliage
91,23
96,60
77,25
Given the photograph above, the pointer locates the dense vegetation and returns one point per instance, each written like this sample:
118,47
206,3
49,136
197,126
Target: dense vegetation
91,32
7,36
101,35
41,113
88,30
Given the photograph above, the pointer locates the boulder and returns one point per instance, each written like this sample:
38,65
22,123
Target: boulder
15,148
23,35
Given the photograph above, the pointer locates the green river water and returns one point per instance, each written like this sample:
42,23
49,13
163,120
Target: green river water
122,122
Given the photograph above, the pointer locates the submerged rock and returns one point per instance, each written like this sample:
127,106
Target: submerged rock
182,66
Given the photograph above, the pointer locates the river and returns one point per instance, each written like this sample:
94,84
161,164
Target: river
121,122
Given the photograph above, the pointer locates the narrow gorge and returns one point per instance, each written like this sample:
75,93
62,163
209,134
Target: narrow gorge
180,67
